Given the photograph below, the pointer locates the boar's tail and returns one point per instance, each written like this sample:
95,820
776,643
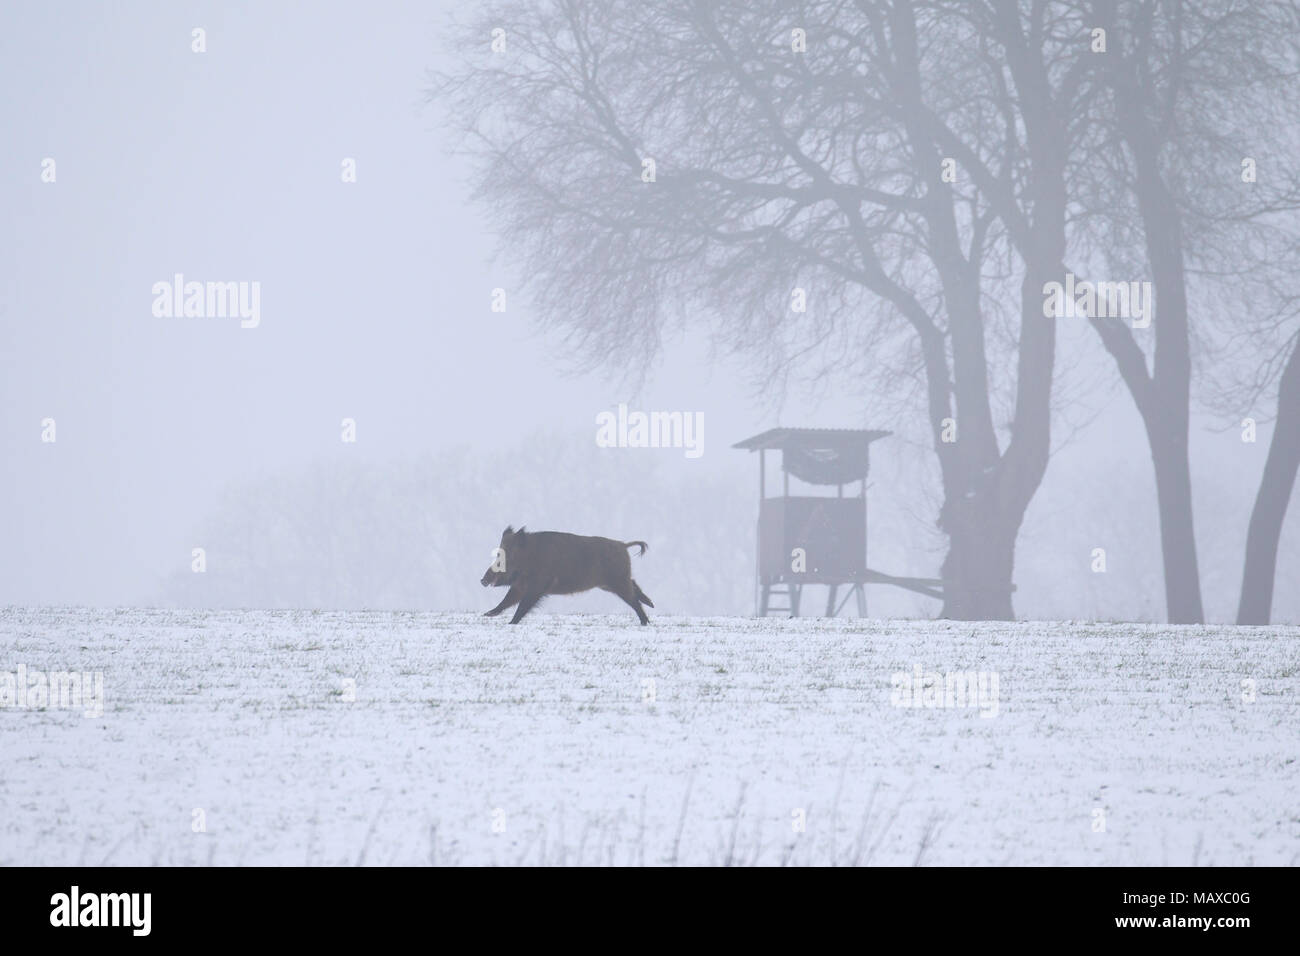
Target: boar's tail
642,544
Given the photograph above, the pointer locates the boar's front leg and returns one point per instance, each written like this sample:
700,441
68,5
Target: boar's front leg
526,604
510,600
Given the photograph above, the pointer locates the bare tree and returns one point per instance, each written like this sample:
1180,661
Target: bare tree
646,163
1271,502
913,165
1154,117
1194,87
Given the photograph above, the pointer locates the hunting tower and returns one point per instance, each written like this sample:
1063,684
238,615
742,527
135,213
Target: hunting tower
812,539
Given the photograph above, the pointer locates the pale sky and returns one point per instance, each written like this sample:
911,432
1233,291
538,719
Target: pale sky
375,295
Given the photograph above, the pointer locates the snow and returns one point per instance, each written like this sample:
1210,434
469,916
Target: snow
462,726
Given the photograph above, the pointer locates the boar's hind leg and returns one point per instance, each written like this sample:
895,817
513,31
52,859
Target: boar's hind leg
629,594
510,600
641,596
526,604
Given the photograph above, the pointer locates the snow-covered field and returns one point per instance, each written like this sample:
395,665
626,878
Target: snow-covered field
588,739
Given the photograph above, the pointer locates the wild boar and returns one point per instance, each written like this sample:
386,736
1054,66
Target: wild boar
537,563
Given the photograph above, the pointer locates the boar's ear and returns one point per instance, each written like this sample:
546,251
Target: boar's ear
521,529
508,532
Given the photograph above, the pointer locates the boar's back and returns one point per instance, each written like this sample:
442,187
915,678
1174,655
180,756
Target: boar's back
563,563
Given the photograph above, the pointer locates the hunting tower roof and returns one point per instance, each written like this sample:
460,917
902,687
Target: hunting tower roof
808,439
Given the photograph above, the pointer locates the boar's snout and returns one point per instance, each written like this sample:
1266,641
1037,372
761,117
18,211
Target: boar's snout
495,575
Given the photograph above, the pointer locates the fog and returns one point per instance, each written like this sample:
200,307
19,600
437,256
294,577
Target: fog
376,300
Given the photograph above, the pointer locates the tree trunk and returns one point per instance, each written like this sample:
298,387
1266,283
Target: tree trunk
986,492
1163,397
986,506
978,568
1271,501
1177,535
